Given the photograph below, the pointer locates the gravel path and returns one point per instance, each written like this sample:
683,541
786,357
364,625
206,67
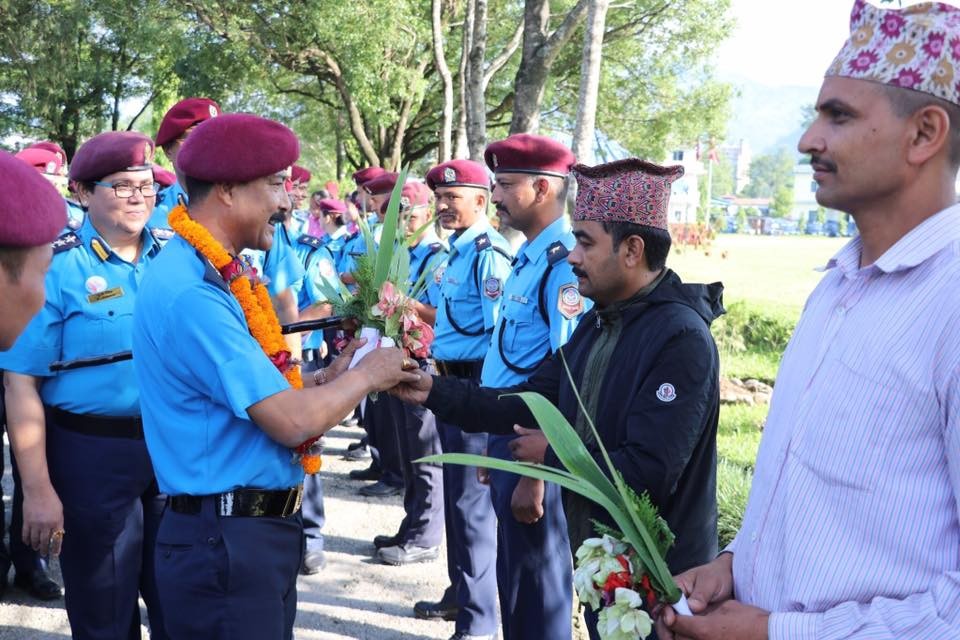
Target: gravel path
354,597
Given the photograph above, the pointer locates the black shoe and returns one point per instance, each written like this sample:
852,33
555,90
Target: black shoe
353,446
360,453
380,490
313,562
38,584
385,541
365,474
436,610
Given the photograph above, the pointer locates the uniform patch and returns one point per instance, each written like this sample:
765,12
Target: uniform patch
99,249
96,284
326,269
109,294
492,288
310,241
438,274
162,234
482,242
66,241
666,392
449,175
570,302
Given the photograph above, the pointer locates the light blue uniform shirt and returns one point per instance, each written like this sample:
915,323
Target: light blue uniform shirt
194,352
353,247
75,216
88,313
470,292
320,266
428,258
167,199
280,264
541,308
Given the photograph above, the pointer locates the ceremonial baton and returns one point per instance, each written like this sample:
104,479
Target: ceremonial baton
96,361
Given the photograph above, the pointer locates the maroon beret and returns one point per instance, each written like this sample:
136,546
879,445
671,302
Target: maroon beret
629,190
458,173
110,152
184,115
526,153
50,146
42,160
163,177
238,147
32,213
364,175
300,174
383,183
414,194
329,205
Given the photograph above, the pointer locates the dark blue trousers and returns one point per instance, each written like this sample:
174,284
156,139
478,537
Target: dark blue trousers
382,438
471,527
312,505
111,508
534,567
416,435
228,578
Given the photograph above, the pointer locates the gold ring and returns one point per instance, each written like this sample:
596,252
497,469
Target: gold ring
407,364
57,534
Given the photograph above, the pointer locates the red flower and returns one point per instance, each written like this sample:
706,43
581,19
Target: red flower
933,47
282,360
648,589
233,270
621,579
892,24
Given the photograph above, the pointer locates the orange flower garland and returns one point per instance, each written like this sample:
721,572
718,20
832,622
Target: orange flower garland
257,308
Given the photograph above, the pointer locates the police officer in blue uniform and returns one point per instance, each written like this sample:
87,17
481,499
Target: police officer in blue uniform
221,418
414,428
541,307
470,295
77,434
175,128
319,264
31,217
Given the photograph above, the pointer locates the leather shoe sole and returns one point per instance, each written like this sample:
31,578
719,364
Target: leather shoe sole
39,585
436,611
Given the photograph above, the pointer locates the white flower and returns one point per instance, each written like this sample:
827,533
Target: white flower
624,619
583,582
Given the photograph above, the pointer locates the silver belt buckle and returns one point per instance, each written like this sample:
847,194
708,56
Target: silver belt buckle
294,498
225,504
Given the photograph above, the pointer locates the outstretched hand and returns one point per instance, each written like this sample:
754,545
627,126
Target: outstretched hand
342,361
416,391
531,446
385,368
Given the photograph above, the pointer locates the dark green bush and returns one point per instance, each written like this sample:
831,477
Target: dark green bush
733,489
746,327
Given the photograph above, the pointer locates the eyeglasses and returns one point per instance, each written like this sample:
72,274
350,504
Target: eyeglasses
124,190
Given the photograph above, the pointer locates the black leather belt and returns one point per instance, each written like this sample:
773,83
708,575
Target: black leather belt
459,368
93,425
247,503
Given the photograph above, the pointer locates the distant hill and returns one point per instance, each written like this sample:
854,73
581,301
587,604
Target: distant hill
767,117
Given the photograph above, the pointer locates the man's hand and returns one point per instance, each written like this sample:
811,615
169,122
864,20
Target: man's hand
705,586
527,500
42,518
530,446
384,369
415,392
342,361
727,620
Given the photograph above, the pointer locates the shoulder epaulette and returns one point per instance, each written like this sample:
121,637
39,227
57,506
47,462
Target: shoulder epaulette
437,247
310,241
162,233
68,240
74,224
482,242
557,252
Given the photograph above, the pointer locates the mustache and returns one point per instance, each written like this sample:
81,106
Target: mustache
818,162
502,209
580,273
279,216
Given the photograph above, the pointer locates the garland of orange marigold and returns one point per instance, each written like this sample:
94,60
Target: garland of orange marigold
257,308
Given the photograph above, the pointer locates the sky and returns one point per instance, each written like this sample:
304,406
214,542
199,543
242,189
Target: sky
786,42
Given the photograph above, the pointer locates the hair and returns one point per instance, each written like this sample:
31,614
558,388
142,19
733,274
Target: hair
12,260
561,185
197,190
906,102
656,242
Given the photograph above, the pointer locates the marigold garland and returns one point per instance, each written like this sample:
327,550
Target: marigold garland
254,299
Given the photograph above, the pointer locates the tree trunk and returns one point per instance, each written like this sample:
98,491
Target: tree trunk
583,131
476,101
462,150
540,51
444,151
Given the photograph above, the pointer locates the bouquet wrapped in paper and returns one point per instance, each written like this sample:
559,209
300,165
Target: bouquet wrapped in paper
622,574
384,301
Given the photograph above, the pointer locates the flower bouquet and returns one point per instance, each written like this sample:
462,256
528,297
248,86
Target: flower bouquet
622,574
384,302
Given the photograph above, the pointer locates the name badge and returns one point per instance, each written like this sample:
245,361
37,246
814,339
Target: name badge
520,299
109,294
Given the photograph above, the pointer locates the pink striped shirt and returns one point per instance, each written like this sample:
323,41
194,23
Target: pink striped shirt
851,530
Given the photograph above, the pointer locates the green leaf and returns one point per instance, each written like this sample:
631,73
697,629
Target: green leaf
389,234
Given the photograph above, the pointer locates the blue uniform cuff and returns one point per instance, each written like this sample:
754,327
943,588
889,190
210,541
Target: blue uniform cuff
246,381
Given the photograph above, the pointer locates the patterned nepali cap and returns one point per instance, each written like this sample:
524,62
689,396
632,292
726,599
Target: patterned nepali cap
630,190
917,47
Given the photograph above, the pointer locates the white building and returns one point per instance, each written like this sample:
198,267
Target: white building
740,156
685,194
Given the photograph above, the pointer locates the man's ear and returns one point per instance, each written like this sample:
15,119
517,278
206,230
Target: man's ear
633,252
224,193
930,135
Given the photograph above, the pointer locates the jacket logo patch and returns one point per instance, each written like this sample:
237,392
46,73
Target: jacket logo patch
492,288
666,393
570,302
438,274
